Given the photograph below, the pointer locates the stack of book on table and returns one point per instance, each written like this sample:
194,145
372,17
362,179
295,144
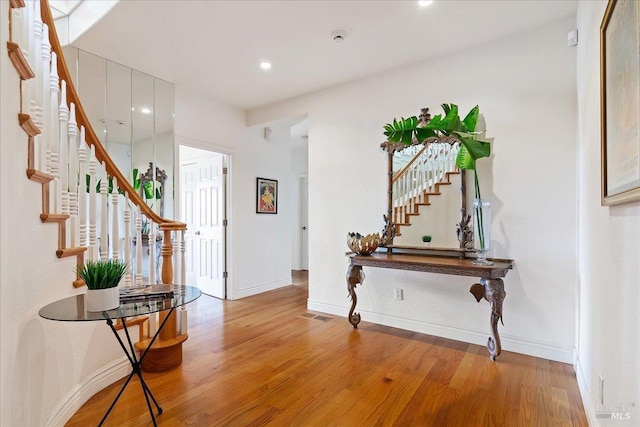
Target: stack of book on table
140,293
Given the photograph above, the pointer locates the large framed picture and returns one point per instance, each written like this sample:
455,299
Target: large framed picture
267,196
620,103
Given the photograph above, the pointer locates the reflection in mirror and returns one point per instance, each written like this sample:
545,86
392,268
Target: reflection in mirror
142,143
92,83
164,133
426,202
132,114
118,119
426,196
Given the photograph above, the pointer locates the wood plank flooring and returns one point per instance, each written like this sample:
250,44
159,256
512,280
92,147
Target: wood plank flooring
266,360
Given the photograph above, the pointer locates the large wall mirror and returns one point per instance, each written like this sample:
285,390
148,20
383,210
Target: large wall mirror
133,115
426,193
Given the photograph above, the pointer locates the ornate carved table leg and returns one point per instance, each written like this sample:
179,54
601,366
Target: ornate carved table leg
493,291
355,275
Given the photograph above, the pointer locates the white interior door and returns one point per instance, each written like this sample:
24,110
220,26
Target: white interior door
304,223
203,195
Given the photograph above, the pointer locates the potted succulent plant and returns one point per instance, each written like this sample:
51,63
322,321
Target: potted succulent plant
427,239
102,279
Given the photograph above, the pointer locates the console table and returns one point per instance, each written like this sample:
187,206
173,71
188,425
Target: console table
73,309
491,286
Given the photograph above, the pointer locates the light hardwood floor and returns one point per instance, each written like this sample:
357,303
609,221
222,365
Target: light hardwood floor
266,360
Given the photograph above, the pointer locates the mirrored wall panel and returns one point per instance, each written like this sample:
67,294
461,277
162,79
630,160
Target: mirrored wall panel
132,113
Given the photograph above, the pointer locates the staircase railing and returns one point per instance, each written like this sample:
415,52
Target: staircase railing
421,177
97,210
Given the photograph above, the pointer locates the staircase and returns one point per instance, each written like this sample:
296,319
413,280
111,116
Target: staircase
95,208
430,168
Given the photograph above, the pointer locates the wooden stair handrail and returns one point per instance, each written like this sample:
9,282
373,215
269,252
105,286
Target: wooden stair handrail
90,135
404,170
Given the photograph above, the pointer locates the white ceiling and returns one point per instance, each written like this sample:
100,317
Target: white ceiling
216,46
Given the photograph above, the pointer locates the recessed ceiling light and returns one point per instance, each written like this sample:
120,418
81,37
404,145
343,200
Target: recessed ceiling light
425,2
145,111
265,65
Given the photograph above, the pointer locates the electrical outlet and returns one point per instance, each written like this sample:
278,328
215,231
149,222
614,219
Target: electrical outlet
397,293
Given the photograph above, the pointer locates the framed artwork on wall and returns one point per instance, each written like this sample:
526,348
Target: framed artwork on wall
620,103
267,196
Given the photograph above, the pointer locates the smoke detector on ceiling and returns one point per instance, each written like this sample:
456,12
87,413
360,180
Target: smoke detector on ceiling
338,35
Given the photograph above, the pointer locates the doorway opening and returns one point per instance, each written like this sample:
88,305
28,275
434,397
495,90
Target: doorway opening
203,207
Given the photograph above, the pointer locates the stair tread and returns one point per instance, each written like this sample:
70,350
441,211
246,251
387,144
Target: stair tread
158,343
53,217
19,62
38,176
28,125
67,252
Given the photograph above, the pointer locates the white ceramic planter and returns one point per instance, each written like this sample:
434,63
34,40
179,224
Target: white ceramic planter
103,299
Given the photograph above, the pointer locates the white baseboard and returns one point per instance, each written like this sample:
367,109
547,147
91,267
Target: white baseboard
82,392
584,391
258,289
509,343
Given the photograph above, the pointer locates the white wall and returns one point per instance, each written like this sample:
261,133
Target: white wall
609,249
260,249
525,86
48,368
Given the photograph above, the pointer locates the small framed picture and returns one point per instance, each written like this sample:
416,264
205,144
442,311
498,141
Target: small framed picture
267,196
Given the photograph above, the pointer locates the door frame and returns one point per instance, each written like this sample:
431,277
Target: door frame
301,265
228,214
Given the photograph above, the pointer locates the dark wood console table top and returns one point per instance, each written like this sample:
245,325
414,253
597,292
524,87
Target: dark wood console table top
491,286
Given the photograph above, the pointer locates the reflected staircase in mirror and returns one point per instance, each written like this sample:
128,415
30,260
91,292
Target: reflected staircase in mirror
430,168
96,209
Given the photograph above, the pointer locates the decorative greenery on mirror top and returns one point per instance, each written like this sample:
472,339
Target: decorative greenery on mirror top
446,127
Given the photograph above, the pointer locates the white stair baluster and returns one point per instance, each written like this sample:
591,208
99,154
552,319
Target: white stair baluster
63,145
138,256
72,178
127,240
82,188
177,272
412,183
152,253
183,320
175,259
104,218
93,206
115,222
421,180
183,260
36,100
47,135
51,124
